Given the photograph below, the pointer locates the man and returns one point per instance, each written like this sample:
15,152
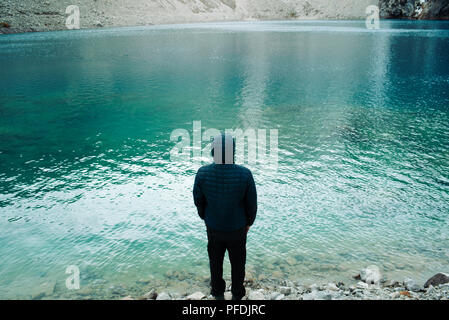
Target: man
225,196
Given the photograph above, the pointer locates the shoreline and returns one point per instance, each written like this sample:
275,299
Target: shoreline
206,22
369,284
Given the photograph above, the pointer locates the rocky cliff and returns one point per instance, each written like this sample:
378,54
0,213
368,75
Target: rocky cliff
414,9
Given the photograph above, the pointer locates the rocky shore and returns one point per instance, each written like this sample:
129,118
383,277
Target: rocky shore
368,284
369,287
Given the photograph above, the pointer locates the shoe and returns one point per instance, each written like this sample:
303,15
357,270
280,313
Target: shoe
219,297
236,298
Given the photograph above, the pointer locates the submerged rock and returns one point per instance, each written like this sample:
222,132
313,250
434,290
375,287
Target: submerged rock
436,280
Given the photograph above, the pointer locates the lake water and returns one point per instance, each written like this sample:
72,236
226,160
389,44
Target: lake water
86,177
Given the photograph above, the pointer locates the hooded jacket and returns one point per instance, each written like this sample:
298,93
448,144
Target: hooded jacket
225,193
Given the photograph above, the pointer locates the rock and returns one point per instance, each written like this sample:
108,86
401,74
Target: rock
444,286
332,287
175,295
431,290
256,295
261,277
98,24
127,298
362,285
395,295
290,261
274,295
371,275
163,296
313,287
228,295
393,284
405,294
151,295
317,295
300,289
411,285
285,290
196,296
436,280
280,297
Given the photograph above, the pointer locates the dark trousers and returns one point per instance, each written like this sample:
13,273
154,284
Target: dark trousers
235,243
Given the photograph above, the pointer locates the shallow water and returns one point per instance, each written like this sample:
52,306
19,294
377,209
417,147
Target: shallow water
85,171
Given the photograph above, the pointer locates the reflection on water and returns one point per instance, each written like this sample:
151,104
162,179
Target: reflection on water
85,171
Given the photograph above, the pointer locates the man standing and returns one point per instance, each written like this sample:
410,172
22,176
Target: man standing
225,196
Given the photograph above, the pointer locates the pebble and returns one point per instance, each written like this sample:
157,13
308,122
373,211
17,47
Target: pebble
196,296
256,295
151,295
411,285
163,296
285,290
332,287
362,285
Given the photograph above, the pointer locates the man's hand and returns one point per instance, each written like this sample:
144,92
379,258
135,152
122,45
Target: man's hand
247,228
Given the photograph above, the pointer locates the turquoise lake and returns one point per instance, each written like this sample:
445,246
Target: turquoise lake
86,177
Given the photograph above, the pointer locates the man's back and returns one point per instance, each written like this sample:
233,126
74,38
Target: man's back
225,195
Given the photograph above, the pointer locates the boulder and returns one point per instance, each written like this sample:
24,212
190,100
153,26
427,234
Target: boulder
436,280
